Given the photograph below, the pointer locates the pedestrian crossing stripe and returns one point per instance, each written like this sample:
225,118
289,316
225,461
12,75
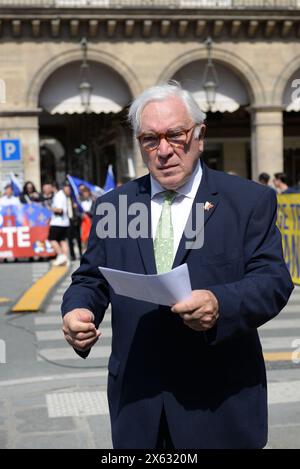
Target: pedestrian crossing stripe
67,353
57,334
57,320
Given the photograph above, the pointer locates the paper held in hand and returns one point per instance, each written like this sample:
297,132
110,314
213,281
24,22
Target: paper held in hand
164,289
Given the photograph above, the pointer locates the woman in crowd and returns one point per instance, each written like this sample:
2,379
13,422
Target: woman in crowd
30,194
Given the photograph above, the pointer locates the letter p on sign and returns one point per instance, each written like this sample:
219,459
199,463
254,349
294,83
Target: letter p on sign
10,150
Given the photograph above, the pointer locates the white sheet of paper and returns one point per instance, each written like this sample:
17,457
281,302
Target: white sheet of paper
163,289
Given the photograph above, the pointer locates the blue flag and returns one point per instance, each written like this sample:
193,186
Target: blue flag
75,192
36,215
95,190
33,215
110,183
17,189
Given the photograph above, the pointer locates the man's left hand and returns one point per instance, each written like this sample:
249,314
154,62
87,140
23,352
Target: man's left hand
200,312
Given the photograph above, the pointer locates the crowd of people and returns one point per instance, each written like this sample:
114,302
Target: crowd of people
280,183
70,221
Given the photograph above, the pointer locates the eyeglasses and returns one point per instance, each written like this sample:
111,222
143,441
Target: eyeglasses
176,138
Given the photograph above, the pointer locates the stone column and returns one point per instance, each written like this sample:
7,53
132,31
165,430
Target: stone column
25,127
266,140
234,154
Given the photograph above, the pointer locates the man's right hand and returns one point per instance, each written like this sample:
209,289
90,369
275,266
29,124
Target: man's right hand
79,329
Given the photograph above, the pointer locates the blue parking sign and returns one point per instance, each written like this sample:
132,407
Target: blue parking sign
10,150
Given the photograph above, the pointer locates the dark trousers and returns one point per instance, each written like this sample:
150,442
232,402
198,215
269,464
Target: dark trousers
164,440
74,233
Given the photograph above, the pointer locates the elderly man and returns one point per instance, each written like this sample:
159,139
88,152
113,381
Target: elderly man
191,375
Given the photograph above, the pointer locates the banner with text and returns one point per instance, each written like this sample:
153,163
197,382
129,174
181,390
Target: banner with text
288,221
24,231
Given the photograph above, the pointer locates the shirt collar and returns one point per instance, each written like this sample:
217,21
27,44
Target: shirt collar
189,189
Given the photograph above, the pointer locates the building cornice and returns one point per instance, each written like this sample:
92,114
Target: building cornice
20,112
149,23
155,4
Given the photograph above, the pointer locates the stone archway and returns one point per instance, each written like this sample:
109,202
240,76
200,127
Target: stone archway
100,132
242,69
60,93
231,93
73,55
52,160
284,79
290,100
228,122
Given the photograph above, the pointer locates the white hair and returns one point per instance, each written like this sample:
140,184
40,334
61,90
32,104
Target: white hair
160,93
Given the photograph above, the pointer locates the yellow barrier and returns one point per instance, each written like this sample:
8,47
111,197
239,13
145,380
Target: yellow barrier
288,221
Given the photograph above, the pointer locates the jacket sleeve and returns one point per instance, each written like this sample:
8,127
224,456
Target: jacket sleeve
266,285
89,289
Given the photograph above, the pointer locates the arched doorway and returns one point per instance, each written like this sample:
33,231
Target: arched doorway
291,132
52,160
228,133
89,141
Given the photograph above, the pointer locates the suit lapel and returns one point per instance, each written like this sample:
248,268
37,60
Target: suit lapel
146,244
206,193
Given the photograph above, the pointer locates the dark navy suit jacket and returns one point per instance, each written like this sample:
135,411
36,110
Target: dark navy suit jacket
213,384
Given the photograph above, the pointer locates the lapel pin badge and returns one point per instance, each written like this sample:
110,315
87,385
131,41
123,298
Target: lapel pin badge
208,206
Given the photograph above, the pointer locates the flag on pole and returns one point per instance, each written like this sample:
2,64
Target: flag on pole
75,192
95,190
110,183
17,189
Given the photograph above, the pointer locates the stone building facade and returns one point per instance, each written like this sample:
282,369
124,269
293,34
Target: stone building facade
253,127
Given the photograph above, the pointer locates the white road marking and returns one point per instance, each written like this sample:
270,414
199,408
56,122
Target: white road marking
40,379
284,392
293,308
57,320
281,324
58,334
67,353
278,343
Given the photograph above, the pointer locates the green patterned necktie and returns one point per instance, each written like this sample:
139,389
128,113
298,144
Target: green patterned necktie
164,239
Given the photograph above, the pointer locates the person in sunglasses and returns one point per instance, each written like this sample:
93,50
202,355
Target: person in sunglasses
191,375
